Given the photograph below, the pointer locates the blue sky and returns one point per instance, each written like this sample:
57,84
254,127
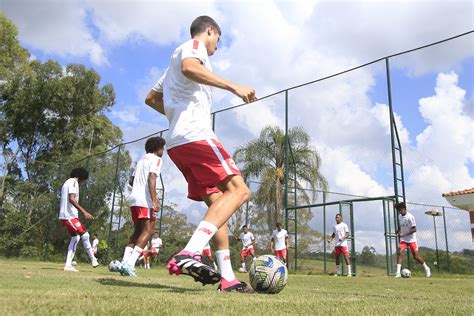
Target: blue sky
272,45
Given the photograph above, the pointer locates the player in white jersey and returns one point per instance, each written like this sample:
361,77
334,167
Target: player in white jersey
184,95
69,216
407,235
154,248
279,242
341,232
95,245
248,240
143,202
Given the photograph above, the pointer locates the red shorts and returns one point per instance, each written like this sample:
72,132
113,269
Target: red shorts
413,245
139,213
245,252
341,249
204,164
153,251
74,226
207,252
280,253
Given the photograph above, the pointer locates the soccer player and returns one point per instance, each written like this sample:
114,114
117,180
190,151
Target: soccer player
155,245
95,245
248,240
68,214
279,242
407,234
341,232
143,201
206,252
184,95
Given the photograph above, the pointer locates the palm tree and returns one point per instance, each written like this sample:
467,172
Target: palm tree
264,159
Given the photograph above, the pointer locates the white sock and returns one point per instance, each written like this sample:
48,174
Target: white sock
201,237
126,254
349,269
425,266
71,250
137,251
87,245
338,269
399,268
225,265
243,265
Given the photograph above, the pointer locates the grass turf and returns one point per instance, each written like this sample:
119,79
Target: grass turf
42,288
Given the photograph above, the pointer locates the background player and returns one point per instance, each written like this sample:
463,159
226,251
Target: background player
248,240
154,248
408,239
184,95
143,202
341,232
279,242
68,214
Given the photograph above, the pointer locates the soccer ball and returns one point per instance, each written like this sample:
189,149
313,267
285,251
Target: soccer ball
406,273
74,263
268,274
114,266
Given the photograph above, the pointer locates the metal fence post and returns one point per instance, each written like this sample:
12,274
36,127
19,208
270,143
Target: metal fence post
448,259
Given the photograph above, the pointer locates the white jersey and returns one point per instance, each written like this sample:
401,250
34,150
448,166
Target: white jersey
140,196
187,104
67,210
406,223
280,237
247,239
95,244
156,242
340,230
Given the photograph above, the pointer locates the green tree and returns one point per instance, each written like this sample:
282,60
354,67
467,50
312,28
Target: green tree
263,159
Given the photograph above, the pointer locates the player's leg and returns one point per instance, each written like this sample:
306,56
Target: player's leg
136,233
71,251
337,253
283,256
84,235
416,255
348,261
401,252
145,227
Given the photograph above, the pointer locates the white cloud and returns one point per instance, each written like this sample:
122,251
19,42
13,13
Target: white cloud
55,27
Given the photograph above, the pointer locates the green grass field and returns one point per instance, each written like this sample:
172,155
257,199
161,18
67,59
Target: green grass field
42,288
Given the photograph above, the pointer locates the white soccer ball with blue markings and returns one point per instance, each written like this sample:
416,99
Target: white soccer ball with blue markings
268,274
406,273
114,266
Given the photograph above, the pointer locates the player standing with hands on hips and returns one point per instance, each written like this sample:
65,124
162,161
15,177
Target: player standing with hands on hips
407,234
184,95
341,233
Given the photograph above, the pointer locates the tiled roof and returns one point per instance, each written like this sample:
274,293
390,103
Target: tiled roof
467,191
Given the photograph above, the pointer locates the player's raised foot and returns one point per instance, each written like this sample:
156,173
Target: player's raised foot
185,262
70,269
398,275
127,270
234,286
427,272
95,263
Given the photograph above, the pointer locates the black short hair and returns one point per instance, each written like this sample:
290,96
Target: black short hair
154,143
401,205
201,23
245,226
338,214
278,224
79,173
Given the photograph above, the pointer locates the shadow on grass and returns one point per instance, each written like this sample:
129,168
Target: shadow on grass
114,282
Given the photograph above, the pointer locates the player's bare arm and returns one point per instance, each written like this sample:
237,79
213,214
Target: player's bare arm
412,230
193,69
73,201
155,101
152,188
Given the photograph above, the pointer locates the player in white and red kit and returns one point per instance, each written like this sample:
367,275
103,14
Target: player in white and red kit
184,95
95,245
407,234
143,202
248,240
279,242
341,232
154,248
69,216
